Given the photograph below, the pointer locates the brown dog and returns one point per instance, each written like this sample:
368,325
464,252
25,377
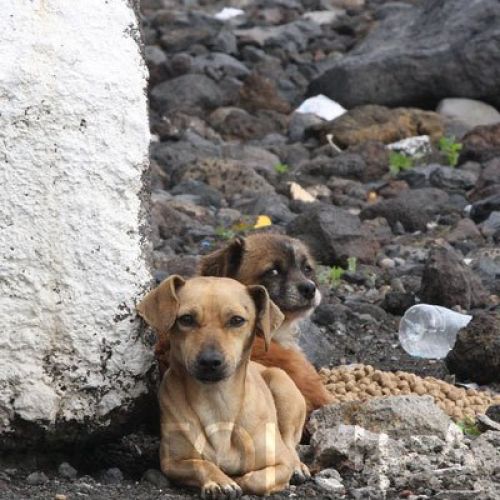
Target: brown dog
228,425
284,266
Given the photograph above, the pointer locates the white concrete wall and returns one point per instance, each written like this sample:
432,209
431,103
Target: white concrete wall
73,147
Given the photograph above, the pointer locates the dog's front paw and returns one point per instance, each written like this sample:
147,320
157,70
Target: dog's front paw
217,491
300,474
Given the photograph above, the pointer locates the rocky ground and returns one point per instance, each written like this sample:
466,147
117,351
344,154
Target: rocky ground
390,226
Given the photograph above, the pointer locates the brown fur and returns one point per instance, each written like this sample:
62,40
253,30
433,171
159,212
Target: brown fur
247,260
232,428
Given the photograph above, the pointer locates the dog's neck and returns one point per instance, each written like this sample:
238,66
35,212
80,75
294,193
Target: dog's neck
287,334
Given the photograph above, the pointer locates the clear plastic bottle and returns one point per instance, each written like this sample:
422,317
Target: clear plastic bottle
428,331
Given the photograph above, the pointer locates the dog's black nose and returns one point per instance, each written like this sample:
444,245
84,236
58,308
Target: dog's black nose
210,359
307,289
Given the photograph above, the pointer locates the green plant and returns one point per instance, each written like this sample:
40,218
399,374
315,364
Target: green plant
399,162
281,168
469,427
352,264
224,233
450,149
335,274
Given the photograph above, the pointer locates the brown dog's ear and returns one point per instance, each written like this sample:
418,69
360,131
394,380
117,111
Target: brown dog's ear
269,316
159,307
224,262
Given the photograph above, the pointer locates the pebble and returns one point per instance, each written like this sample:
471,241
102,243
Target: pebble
387,263
156,478
37,478
67,471
112,476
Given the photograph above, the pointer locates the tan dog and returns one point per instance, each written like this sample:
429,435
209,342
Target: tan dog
228,425
285,267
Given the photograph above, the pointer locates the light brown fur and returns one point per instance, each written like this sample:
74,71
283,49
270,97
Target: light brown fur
247,260
237,433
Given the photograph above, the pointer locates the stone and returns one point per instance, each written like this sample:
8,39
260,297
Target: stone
395,65
156,478
206,195
486,450
396,416
334,235
259,92
413,208
111,476
157,63
218,65
469,112
482,209
465,229
235,123
416,147
37,478
66,471
190,93
75,249
452,179
476,353
230,177
489,177
378,123
299,123
448,282
317,346
330,481
481,144
274,206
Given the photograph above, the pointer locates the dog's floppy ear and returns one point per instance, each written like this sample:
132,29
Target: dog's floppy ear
269,317
224,262
159,307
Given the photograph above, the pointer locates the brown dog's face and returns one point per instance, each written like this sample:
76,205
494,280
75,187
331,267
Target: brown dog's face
211,322
281,264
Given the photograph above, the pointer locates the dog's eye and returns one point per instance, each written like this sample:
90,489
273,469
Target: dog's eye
307,269
236,321
275,271
186,320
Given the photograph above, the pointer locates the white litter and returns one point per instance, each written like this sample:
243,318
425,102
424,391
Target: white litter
297,192
321,106
228,13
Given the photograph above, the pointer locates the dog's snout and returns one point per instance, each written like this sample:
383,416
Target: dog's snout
307,289
210,365
210,359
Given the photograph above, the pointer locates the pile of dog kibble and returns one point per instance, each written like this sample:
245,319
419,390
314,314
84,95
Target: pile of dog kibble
361,382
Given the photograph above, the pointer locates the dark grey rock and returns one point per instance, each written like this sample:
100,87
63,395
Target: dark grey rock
421,55
476,353
111,476
413,208
188,93
449,178
448,282
482,209
67,471
37,478
275,206
317,346
334,235
156,478
206,195
218,65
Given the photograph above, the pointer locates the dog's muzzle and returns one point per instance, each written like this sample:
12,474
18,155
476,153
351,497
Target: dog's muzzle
210,366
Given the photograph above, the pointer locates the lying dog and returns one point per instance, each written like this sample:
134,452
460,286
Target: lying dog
284,266
228,425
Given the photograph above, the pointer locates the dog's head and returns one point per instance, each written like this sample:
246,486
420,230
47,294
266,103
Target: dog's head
281,264
211,322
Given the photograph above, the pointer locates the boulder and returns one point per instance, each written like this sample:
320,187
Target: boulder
448,282
468,112
413,208
419,56
334,235
476,353
378,123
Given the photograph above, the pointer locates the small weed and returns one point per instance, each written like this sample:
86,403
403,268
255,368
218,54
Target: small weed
335,274
352,264
469,427
450,149
399,162
281,168
224,233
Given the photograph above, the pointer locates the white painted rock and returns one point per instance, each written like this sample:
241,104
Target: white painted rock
74,135
417,146
470,112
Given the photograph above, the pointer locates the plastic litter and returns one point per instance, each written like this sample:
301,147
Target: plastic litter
321,106
228,13
428,331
